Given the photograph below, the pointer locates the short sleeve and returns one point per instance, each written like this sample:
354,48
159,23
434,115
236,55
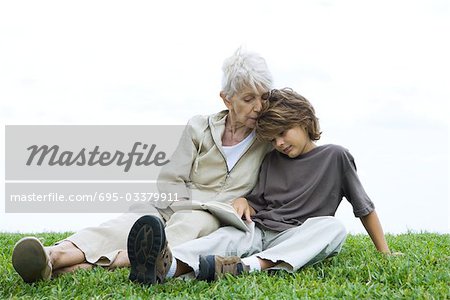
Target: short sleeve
353,190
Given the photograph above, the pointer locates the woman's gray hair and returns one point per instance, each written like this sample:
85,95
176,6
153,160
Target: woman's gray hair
245,69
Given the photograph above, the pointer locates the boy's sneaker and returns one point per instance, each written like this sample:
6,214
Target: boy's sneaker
31,261
213,267
149,254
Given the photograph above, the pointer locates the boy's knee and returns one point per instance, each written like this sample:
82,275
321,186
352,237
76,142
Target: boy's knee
339,226
339,235
334,226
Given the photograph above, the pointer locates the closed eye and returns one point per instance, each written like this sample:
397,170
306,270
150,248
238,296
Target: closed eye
281,134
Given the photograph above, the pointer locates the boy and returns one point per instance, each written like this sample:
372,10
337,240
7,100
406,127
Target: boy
299,189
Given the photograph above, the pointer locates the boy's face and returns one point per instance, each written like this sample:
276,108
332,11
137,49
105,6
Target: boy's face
293,142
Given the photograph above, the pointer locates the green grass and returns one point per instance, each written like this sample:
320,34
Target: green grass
358,272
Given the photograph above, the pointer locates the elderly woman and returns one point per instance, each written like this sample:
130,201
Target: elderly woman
217,159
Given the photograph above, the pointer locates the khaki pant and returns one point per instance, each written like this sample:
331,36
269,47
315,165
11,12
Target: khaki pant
101,244
316,239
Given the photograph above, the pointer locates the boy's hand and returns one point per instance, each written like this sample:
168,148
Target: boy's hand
242,208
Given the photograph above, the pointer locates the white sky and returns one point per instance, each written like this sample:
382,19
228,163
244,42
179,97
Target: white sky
376,71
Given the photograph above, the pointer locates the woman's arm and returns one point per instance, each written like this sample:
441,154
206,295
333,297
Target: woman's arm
375,231
174,175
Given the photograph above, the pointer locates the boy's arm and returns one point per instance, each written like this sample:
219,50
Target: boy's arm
375,231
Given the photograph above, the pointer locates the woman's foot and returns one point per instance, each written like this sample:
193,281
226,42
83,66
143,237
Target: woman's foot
148,251
31,260
71,269
121,261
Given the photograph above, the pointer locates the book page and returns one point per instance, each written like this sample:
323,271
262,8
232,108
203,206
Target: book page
226,214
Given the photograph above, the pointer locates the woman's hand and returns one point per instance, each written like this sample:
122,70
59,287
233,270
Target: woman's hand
242,208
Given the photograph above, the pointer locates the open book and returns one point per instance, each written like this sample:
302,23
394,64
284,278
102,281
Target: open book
224,212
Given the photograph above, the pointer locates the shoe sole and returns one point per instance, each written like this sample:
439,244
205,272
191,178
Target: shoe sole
30,260
207,268
145,241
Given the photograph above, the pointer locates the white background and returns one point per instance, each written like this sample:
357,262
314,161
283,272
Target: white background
376,71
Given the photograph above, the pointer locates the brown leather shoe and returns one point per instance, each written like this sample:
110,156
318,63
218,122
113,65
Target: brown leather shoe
31,261
148,251
213,267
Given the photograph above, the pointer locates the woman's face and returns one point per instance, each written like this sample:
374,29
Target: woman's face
245,106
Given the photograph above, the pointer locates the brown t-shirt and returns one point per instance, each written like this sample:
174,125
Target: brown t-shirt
291,190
